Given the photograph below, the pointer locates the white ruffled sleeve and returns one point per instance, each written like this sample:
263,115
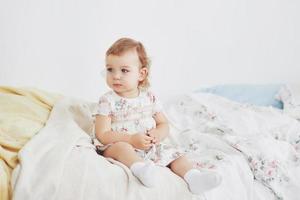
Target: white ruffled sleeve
157,106
104,107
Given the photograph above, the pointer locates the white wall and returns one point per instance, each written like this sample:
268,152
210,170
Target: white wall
59,45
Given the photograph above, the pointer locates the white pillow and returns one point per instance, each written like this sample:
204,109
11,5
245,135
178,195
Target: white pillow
290,96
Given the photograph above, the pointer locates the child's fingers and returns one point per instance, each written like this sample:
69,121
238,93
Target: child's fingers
147,142
154,141
148,138
147,146
151,134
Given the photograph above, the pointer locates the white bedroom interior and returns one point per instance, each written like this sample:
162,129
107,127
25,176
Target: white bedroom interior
251,138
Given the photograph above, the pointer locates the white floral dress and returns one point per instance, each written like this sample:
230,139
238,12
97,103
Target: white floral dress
135,115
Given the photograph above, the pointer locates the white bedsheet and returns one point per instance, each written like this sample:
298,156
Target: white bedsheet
268,140
60,162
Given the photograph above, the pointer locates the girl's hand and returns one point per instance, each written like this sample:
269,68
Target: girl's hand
141,141
154,136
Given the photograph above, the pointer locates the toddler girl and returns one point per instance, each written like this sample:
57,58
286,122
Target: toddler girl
131,125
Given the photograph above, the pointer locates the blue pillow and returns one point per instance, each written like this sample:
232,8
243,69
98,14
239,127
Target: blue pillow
260,95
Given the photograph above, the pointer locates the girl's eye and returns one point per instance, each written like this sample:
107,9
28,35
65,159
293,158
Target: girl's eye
125,70
109,69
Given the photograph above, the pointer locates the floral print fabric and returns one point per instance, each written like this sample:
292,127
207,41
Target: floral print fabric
266,138
135,115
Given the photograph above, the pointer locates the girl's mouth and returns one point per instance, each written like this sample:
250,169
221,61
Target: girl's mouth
117,85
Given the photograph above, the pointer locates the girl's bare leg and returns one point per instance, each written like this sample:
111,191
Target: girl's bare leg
198,181
181,166
125,153
122,152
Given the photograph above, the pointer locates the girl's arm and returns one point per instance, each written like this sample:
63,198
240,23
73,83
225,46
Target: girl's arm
104,133
162,128
106,136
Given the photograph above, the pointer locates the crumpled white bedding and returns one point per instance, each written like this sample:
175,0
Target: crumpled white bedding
268,139
60,163
243,143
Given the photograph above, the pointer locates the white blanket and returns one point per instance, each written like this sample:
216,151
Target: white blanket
60,162
268,139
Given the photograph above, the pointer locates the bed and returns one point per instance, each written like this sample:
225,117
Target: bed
256,149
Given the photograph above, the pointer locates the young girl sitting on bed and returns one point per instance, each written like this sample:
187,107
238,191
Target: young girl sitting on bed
131,125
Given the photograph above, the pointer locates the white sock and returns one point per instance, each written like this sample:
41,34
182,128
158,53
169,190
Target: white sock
200,182
145,172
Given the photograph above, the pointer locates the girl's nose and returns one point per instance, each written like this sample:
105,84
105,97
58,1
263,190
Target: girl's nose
116,75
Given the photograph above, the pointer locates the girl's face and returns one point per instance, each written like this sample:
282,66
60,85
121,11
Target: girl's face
123,73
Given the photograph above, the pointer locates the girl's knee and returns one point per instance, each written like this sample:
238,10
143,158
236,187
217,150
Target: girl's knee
122,146
117,148
180,162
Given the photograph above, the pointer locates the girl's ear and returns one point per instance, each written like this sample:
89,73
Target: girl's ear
143,73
